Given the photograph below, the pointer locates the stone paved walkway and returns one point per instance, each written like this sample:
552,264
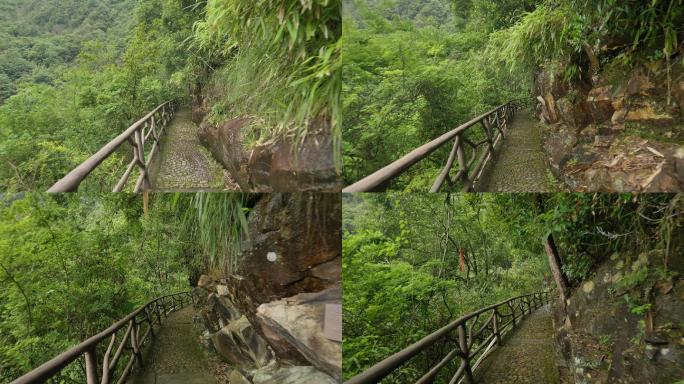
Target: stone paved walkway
526,356
176,355
520,164
183,164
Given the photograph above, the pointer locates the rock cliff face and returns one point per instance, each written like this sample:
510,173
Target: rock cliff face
622,130
276,166
625,324
268,319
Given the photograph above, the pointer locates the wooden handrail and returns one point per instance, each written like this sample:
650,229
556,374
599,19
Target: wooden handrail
473,344
154,122
498,118
88,348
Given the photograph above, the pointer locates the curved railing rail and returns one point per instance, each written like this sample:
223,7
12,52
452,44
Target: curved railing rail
477,334
493,123
137,135
130,344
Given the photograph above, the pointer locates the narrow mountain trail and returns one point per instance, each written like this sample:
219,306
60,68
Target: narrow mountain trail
176,355
526,356
519,165
183,164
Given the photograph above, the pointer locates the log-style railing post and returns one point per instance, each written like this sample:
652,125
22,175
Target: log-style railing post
154,129
156,309
134,341
495,325
490,137
105,361
460,155
149,320
91,365
465,358
140,144
497,123
444,175
510,305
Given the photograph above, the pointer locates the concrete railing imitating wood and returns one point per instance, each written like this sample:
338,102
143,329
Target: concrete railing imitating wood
476,335
130,345
137,135
493,123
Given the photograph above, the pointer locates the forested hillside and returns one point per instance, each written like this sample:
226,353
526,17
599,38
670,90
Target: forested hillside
40,38
72,265
602,78
415,262
414,70
120,65
261,269
81,72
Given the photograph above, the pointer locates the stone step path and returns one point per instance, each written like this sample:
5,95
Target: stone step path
526,356
183,164
520,163
176,355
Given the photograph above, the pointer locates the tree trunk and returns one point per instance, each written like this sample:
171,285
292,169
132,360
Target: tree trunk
555,264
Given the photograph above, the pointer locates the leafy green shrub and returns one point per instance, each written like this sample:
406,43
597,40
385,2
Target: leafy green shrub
282,59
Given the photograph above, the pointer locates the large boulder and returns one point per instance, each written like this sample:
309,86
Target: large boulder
299,322
276,166
294,246
240,345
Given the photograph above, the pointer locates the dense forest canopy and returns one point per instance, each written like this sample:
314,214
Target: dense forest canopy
71,265
39,38
413,262
74,74
416,69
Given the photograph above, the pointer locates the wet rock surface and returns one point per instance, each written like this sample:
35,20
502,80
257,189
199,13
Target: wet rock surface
519,165
298,321
277,166
240,345
526,356
183,164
